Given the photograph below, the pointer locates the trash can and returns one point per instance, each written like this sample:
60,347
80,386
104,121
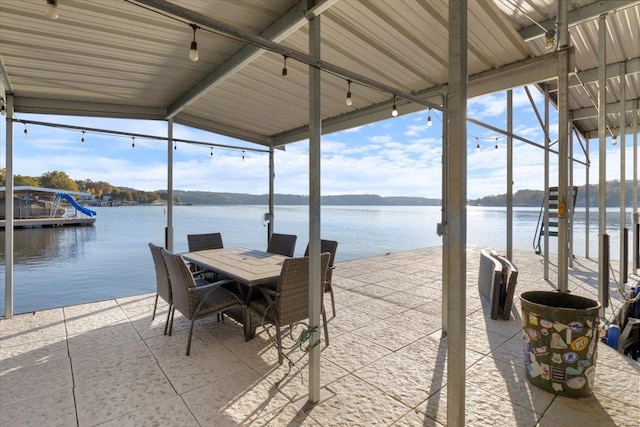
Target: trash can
560,333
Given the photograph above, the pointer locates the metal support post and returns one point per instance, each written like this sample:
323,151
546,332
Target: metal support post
587,203
603,269
8,243
623,176
570,205
272,176
315,282
457,214
547,142
169,230
442,227
563,145
636,216
510,175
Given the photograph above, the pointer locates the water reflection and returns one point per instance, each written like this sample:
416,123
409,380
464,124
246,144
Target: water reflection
54,244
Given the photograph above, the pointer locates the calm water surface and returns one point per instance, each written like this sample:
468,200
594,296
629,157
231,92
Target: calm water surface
71,265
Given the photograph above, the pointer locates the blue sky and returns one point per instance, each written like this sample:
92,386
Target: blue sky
400,156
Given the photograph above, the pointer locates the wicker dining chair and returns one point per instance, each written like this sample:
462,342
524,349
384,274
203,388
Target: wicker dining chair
191,301
201,242
289,302
330,246
163,287
282,244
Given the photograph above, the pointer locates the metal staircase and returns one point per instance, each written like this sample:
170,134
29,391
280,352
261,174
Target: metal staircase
553,217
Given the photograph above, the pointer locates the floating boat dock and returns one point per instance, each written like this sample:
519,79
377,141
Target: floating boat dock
36,207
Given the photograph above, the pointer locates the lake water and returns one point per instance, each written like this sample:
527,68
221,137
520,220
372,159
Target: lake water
63,266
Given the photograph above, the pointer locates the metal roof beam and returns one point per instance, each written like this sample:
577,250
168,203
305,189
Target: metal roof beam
90,109
576,16
611,108
221,128
615,131
222,28
518,74
291,21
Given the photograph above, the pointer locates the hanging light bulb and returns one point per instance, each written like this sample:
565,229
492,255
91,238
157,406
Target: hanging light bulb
193,52
429,118
478,147
615,140
175,145
349,101
394,110
82,140
51,9
284,68
550,39
3,107
25,130
133,143
243,155
211,152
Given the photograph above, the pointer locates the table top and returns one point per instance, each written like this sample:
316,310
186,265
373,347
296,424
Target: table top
248,266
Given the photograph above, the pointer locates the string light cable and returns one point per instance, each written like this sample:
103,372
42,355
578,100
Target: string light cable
129,135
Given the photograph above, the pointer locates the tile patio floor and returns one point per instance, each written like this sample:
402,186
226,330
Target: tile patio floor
107,364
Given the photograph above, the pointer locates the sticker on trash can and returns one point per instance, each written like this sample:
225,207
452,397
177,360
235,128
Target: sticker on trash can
533,334
556,358
575,326
546,323
570,357
557,342
580,343
533,319
545,371
573,371
576,383
558,374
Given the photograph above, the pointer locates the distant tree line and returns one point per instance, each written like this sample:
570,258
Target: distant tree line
58,179
535,197
61,180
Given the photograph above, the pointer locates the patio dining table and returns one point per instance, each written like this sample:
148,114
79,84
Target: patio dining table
248,267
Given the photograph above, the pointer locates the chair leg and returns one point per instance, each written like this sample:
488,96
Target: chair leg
190,333
173,313
155,305
333,303
279,339
326,328
166,322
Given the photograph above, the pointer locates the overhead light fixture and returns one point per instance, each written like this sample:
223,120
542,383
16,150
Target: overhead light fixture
349,101
478,146
193,52
51,9
3,107
550,37
82,140
25,130
615,140
429,118
133,143
394,110
284,68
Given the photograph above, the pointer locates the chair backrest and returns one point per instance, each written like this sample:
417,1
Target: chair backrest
201,242
330,246
292,302
162,275
282,244
181,281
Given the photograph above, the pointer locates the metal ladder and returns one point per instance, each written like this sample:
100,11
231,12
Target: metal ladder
553,217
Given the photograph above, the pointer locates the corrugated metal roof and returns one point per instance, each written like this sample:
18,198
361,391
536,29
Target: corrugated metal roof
116,58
